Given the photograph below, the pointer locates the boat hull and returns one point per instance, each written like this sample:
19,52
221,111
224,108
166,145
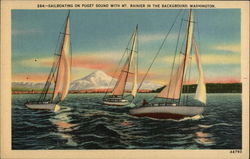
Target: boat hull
43,106
167,112
116,103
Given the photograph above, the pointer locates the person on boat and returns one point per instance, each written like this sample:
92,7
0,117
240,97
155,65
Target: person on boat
144,102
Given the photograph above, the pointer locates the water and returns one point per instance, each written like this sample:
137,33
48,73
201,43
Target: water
84,123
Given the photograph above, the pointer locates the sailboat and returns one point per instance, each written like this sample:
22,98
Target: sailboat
117,95
172,108
59,76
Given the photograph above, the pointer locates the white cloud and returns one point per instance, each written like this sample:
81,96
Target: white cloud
220,59
229,47
210,59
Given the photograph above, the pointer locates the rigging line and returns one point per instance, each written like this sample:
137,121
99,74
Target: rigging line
176,48
47,84
130,55
190,64
135,61
71,57
159,50
187,77
51,77
121,74
55,59
137,58
184,65
53,69
198,32
61,49
181,53
119,63
183,42
199,39
44,91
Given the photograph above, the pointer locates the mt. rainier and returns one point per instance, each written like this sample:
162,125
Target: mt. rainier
100,80
97,79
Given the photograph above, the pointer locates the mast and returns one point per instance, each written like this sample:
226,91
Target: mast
174,89
134,58
62,74
188,46
121,83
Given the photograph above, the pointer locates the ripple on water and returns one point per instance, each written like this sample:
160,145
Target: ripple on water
84,123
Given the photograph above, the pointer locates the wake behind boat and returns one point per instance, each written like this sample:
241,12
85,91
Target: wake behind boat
173,107
117,96
59,76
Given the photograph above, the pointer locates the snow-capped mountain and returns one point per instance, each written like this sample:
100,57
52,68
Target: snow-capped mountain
95,80
99,80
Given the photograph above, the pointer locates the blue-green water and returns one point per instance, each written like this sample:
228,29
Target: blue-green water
84,123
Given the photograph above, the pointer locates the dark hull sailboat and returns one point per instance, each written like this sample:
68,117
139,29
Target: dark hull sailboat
173,91
167,112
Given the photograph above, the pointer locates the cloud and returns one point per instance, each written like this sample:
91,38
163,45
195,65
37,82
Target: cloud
235,48
211,59
92,63
29,77
220,59
93,60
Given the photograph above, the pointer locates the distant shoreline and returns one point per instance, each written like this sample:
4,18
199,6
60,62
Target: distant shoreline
72,91
211,88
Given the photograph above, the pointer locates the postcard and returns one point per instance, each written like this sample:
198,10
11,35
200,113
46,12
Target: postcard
125,79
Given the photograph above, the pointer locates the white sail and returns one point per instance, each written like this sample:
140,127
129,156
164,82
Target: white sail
173,90
135,86
134,61
63,73
201,87
120,85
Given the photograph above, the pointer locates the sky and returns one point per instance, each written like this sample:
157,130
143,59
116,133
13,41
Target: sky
99,38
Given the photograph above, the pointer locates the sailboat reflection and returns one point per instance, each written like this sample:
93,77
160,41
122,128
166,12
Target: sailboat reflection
205,139
62,121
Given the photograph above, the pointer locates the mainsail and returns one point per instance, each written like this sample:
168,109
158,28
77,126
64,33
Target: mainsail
173,90
201,88
133,59
62,80
121,83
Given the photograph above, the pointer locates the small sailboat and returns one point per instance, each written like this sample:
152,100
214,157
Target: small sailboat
117,96
59,76
172,108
